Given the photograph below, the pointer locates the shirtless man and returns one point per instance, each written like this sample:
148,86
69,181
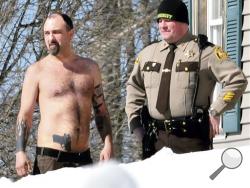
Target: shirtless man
65,86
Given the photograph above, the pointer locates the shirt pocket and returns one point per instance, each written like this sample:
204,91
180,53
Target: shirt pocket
151,74
186,74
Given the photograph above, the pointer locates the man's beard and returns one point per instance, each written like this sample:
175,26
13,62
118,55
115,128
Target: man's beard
54,48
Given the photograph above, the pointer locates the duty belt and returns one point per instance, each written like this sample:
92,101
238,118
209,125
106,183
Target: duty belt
184,126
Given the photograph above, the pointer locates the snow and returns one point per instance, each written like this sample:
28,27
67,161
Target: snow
164,169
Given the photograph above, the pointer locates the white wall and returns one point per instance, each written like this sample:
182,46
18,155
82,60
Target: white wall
245,106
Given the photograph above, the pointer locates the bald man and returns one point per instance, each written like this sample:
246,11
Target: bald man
66,87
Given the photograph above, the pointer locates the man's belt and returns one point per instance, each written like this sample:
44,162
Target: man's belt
62,156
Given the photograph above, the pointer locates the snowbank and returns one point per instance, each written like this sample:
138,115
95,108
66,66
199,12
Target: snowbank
164,169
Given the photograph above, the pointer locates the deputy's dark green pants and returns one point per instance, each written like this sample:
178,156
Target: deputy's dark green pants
182,144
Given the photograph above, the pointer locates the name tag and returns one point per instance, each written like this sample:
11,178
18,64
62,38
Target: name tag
190,66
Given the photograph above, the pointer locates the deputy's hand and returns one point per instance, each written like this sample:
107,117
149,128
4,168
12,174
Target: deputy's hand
139,133
23,164
214,125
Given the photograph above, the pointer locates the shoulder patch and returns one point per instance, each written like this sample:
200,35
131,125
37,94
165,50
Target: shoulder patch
220,53
137,61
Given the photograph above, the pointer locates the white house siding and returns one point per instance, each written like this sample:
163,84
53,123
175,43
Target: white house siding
242,138
245,105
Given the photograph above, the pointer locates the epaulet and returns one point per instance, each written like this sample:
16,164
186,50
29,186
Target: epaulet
137,61
203,41
153,42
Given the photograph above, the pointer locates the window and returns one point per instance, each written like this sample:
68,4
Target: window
215,35
215,21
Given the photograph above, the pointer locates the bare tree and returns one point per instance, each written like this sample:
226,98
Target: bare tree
111,32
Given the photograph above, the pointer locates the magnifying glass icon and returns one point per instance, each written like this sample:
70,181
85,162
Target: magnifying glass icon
231,158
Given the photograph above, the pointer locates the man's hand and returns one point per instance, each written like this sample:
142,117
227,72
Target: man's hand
139,133
106,153
23,164
214,125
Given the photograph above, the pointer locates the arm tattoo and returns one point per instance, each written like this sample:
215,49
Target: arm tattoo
103,125
98,91
22,134
102,119
98,98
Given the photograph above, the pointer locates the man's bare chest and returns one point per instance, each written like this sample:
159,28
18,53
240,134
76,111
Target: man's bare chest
56,84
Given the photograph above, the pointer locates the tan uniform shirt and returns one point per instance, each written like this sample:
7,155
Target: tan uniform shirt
215,66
